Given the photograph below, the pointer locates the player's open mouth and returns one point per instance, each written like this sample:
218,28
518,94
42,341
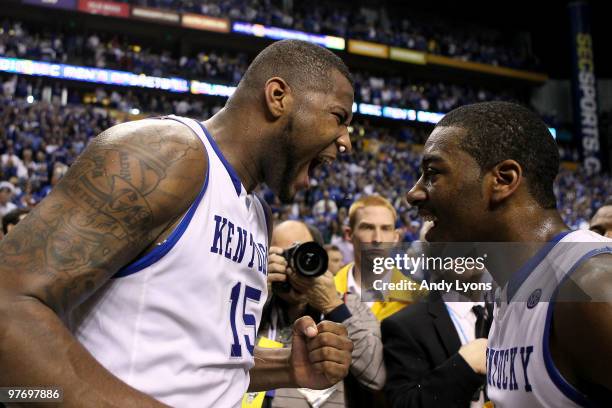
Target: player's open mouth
318,162
427,216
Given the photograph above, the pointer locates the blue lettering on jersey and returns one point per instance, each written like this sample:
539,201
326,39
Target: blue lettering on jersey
230,234
239,253
263,252
231,242
252,250
501,373
513,383
216,248
525,355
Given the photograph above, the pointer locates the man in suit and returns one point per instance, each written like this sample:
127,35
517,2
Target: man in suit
435,351
427,365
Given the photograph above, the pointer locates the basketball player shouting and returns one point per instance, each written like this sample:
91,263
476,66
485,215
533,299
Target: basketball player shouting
487,175
153,251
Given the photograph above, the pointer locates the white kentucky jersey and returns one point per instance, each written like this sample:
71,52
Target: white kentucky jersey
180,323
520,369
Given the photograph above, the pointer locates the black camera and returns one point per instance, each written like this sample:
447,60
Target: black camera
308,259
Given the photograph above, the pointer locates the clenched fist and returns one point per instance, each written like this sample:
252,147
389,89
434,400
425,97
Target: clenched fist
320,355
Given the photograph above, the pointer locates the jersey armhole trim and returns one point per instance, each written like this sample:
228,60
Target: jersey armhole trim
517,279
562,384
230,170
164,247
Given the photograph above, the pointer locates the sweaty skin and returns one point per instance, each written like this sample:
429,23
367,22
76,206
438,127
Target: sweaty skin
121,197
123,191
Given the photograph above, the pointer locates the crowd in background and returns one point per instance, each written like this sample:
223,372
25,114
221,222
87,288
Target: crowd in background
117,52
44,124
344,19
40,138
436,96
111,50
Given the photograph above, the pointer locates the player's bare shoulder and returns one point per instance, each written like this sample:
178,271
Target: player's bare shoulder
129,184
593,278
160,148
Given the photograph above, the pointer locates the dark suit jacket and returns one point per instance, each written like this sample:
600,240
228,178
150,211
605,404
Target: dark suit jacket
424,369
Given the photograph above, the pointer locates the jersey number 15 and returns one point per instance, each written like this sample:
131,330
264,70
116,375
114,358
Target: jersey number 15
253,295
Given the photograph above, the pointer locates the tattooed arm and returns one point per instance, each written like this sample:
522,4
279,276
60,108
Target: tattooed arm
129,185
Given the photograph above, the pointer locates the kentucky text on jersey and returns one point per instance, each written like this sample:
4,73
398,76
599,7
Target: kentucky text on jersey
503,366
180,323
230,241
521,371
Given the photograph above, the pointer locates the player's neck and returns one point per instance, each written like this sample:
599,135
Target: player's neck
240,151
532,230
532,225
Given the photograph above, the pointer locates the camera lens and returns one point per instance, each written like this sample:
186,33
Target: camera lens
310,259
307,261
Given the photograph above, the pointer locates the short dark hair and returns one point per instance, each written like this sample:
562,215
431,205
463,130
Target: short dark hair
498,131
13,218
302,64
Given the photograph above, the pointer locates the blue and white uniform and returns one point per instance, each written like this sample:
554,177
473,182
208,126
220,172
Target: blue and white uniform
520,369
180,323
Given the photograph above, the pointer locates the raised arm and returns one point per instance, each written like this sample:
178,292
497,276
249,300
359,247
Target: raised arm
129,185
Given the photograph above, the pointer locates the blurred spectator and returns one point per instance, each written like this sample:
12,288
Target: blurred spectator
371,223
335,258
601,222
11,163
7,190
325,207
12,218
579,194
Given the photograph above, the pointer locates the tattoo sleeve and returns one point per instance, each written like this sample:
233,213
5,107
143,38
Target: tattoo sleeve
117,197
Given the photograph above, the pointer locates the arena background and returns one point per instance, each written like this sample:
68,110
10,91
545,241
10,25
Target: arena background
59,63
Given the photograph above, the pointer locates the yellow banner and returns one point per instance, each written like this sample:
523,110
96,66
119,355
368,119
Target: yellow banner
369,49
201,22
406,55
487,68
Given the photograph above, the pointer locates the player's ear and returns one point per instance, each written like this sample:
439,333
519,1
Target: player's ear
505,179
278,97
348,233
397,234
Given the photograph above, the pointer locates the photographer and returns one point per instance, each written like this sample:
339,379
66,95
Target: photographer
293,295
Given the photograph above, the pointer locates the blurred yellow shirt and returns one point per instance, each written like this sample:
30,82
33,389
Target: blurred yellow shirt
398,299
